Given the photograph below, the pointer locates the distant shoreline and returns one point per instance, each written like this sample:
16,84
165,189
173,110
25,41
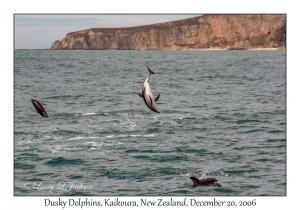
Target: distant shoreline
210,49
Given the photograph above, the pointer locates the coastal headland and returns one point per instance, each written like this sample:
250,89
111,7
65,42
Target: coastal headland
224,31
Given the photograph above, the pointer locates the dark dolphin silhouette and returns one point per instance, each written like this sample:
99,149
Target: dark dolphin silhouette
147,93
39,108
205,182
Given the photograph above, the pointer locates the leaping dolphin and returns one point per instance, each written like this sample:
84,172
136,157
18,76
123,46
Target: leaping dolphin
39,108
205,182
147,93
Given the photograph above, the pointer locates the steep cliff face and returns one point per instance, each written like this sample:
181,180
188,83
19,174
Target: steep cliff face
203,32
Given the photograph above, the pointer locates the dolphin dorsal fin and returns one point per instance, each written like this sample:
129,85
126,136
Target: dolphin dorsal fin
195,181
140,94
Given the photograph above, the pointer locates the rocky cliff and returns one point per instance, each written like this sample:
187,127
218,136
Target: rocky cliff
203,32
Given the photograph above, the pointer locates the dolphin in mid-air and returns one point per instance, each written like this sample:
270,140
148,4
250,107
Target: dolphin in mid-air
205,182
39,108
147,93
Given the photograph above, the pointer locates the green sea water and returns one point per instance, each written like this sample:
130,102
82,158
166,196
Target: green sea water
222,115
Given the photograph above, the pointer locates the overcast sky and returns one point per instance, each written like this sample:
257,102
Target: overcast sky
40,31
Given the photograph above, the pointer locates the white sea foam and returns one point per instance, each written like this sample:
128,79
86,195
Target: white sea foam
23,142
53,150
90,142
170,122
223,174
182,116
187,174
82,138
122,136
130,135
110,136
128,123
89,113
150,135
133,127
57,148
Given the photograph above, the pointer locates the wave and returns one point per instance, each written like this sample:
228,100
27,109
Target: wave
61,97
83,138
28,156
130,135
162,158
19,165
143,172
64,161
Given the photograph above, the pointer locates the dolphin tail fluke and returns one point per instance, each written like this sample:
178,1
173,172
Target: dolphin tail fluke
140,94
156,99
195,181
151,72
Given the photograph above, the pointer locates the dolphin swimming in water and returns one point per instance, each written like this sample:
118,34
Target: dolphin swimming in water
39,108
147,93
205,182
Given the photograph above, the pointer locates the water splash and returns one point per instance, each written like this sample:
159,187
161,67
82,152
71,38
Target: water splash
129,123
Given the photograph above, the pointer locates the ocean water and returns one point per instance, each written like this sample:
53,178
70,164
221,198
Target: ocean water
223,115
